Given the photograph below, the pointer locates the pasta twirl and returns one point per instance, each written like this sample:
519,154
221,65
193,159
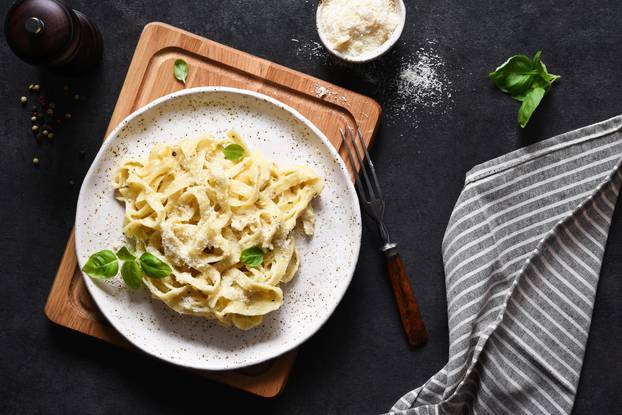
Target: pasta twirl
197,209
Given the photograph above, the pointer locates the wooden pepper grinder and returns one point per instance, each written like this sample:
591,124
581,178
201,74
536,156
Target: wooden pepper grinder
51,34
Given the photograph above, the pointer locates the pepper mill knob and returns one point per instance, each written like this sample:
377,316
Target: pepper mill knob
49,33
34,26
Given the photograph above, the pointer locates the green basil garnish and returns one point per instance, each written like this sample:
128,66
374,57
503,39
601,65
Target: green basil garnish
132,274
102,264
180,70
233,152
153,266
252,257
125,254
526,80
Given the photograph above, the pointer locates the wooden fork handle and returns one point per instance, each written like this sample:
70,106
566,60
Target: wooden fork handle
406,303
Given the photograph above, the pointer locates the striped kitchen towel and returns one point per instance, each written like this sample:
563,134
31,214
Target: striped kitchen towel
522,254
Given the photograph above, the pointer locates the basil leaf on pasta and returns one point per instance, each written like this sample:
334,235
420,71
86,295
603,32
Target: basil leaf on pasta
132,274
125,254
102,264
252,257
153,266
233,152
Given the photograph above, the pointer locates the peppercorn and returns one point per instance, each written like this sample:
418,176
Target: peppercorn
23,100
76,97
33,118
35,161
50,111
36,87
44,132
35,128
68,116
50,135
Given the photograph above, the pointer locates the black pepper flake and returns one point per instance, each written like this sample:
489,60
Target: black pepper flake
174,153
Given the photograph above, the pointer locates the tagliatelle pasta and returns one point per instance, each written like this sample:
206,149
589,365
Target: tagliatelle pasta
191,206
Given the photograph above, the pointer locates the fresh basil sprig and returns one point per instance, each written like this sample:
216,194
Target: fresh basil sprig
125,254
233,152
132,274
102,264
105,264
180,70
252,257
526,80
153,266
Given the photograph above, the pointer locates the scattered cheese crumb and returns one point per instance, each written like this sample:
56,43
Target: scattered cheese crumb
421,82
321,91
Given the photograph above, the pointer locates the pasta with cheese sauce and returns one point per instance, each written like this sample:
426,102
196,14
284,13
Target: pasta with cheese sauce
191,206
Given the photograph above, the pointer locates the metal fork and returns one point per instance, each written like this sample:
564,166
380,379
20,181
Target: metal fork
372,201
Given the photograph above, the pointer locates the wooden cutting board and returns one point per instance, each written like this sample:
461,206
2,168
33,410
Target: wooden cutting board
150,76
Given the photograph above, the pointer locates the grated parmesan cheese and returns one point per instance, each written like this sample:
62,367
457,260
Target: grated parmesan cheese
358,27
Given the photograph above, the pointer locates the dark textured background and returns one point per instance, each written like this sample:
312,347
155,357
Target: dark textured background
358,362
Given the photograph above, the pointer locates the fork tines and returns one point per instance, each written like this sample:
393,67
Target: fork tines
373,187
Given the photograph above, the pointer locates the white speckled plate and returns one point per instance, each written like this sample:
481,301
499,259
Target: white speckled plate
327,259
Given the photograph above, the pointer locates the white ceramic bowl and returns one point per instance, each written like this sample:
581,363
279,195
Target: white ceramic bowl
327,259
367,57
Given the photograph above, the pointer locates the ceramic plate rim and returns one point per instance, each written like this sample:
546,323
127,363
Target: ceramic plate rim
110,140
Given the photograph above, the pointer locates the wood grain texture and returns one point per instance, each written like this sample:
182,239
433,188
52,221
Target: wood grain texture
211,64
406,303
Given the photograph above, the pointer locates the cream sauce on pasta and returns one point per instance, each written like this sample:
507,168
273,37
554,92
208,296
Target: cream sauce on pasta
189,205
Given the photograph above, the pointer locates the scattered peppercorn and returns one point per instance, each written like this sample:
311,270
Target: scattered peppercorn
76,97
35,161
33,118
44,132
174,153
35,128
36,87
50,135
23,100
68,116
50,111
30,87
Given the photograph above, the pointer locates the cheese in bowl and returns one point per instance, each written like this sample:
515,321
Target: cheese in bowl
360,30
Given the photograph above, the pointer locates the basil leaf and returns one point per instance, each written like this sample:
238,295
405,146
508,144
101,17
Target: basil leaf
102,264
526,80
153,266
531,101
180,70
125,254
233,152
515,75
132,274
252,257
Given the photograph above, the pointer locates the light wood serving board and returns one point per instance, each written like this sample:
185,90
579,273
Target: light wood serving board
150,76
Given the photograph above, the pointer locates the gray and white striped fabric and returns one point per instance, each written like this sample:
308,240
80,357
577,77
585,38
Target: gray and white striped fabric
522,254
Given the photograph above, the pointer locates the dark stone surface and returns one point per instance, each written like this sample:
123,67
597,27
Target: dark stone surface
359,361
